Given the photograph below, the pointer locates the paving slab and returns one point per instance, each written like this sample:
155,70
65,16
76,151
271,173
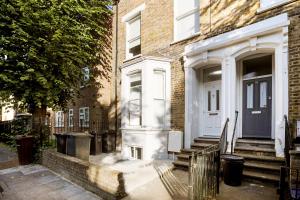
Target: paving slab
35,182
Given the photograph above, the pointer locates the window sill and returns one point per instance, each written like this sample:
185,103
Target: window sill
132,58
272,6
186,38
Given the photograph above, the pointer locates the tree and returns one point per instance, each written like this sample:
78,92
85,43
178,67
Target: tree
44,44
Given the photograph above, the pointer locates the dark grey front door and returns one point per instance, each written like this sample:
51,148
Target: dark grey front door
257,108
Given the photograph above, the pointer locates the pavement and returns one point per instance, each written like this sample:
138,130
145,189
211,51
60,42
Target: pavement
33,182
141,178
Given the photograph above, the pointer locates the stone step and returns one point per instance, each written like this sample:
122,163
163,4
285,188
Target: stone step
187,151
258,176
200,146
266,169
256,143
262,158
258,151
183,157
206,140
181,165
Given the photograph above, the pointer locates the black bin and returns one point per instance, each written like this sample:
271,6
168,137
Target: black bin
233,169
25,149
78,145
96,144
61,142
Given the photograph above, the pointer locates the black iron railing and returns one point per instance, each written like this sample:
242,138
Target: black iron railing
233,134
223,139
288,142
289,183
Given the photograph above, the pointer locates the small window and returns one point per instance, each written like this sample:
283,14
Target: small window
250,96
86,76
134,37
71,118
263,94
136,153
186,22
135,98
59,119
84,118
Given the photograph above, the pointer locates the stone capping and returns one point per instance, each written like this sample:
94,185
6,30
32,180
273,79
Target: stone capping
106,183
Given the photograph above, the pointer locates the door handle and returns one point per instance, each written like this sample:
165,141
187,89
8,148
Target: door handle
213,113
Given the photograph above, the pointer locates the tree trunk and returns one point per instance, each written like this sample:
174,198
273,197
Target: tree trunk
38,123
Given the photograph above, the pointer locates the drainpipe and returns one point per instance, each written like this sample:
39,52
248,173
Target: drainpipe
116,68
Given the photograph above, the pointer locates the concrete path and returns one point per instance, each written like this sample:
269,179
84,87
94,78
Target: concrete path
35,182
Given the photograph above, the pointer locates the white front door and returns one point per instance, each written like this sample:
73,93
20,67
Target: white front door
212,107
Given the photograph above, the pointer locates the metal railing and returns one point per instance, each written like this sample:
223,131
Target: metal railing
288,143
223,139
233,134
289,183
204,173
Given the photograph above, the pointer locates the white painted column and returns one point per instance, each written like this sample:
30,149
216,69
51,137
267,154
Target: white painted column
188,106
229,93
281,93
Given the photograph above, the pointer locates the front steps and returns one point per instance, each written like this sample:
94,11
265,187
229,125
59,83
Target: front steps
261,163
183,158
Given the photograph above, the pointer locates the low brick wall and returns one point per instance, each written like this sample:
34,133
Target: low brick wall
105,182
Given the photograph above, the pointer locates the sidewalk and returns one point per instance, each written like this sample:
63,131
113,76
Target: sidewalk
33,182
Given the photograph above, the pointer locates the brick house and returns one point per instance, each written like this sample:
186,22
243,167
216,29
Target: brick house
188,65
88,111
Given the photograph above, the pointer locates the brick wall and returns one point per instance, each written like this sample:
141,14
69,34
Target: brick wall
218,17
104,182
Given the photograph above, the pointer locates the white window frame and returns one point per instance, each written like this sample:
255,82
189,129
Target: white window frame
59,119
135,152
128,25
155,98
177,18
86,76
84,117
71,114
140,111
271,5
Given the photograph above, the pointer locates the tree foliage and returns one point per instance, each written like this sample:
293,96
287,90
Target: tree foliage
45,43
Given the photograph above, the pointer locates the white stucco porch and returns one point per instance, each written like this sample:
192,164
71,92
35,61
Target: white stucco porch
269,36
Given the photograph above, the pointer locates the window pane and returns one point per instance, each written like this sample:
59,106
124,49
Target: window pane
134,29
187,26
139,153
250,95
263,95
218,100
134,51
159,85
184,6
209,101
